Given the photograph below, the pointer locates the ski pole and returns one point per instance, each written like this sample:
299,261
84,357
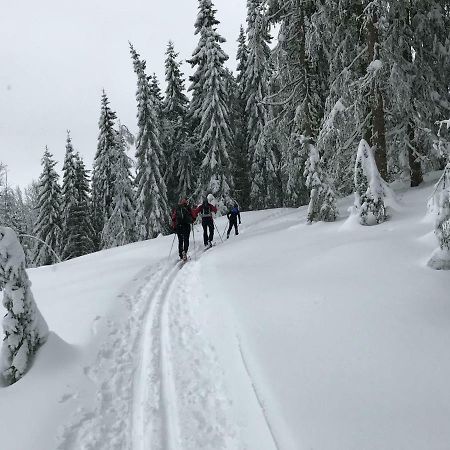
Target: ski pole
225,229
218,232
193,236
171,247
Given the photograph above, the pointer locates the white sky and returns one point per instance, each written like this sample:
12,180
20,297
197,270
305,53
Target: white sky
56,56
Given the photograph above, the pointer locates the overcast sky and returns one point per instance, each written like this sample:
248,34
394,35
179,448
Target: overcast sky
56,56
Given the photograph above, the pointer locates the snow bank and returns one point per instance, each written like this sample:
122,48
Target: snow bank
284,337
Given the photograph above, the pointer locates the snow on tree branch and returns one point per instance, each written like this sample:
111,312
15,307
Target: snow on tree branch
24,327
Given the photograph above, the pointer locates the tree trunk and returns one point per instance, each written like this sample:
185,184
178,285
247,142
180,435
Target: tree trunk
378,137
414,164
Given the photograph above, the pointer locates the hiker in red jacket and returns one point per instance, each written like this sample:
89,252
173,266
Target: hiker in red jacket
206,210
182,218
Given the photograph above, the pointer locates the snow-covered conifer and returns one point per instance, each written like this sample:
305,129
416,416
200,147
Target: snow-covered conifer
441,207
176,130
69,198
236,90
81,237
103,177
120,227
322,204
206,20
369,188
210,107
152,209
257,84
48,225
24,327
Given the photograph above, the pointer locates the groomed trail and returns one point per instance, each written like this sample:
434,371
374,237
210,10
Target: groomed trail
160,383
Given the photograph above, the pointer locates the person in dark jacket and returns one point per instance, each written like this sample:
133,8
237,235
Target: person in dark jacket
233,215
182,218
206,211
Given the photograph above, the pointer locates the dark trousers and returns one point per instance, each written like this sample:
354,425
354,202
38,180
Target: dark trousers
208,225
233,223
183,233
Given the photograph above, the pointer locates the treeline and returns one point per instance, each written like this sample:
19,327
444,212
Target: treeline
349,99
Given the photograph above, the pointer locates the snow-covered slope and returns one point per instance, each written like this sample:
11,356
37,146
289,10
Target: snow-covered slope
288,336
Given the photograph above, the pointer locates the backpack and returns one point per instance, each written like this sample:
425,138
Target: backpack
206,210
183,215
235,211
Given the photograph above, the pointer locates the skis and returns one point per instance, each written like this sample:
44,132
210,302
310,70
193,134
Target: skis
207,247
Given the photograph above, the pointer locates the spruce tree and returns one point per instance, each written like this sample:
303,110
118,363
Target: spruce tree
206,20
48,225
257,83
238,100
322,203
369,188
120,227
175,112
103,177
211,108
69,200
81,236
441,204
24,328
151,193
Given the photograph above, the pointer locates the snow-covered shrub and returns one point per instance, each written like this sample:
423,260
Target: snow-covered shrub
440,258
24,327
322,204
369,188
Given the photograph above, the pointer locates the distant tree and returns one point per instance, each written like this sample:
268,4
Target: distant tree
210,108
152,211
48,226
257,84
120,227
236,90
69,200
24,327
103,177
176,133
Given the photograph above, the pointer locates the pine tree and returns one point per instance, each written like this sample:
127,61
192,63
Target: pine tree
369,188
417,46
69,200
48,226
299,95
206,20
257,83
239,120
83,240
185,170
24,327
322,204
175,112
151,203
440,258
119,229
103,177
210,106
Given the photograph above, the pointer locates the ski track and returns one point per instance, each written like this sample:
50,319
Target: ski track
160,383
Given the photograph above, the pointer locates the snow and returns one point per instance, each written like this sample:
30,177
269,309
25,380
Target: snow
375,66
288,336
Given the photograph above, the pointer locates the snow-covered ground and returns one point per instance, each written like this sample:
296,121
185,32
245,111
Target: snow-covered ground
288,336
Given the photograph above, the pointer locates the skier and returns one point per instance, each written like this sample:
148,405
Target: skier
206,210
182,218
233,215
